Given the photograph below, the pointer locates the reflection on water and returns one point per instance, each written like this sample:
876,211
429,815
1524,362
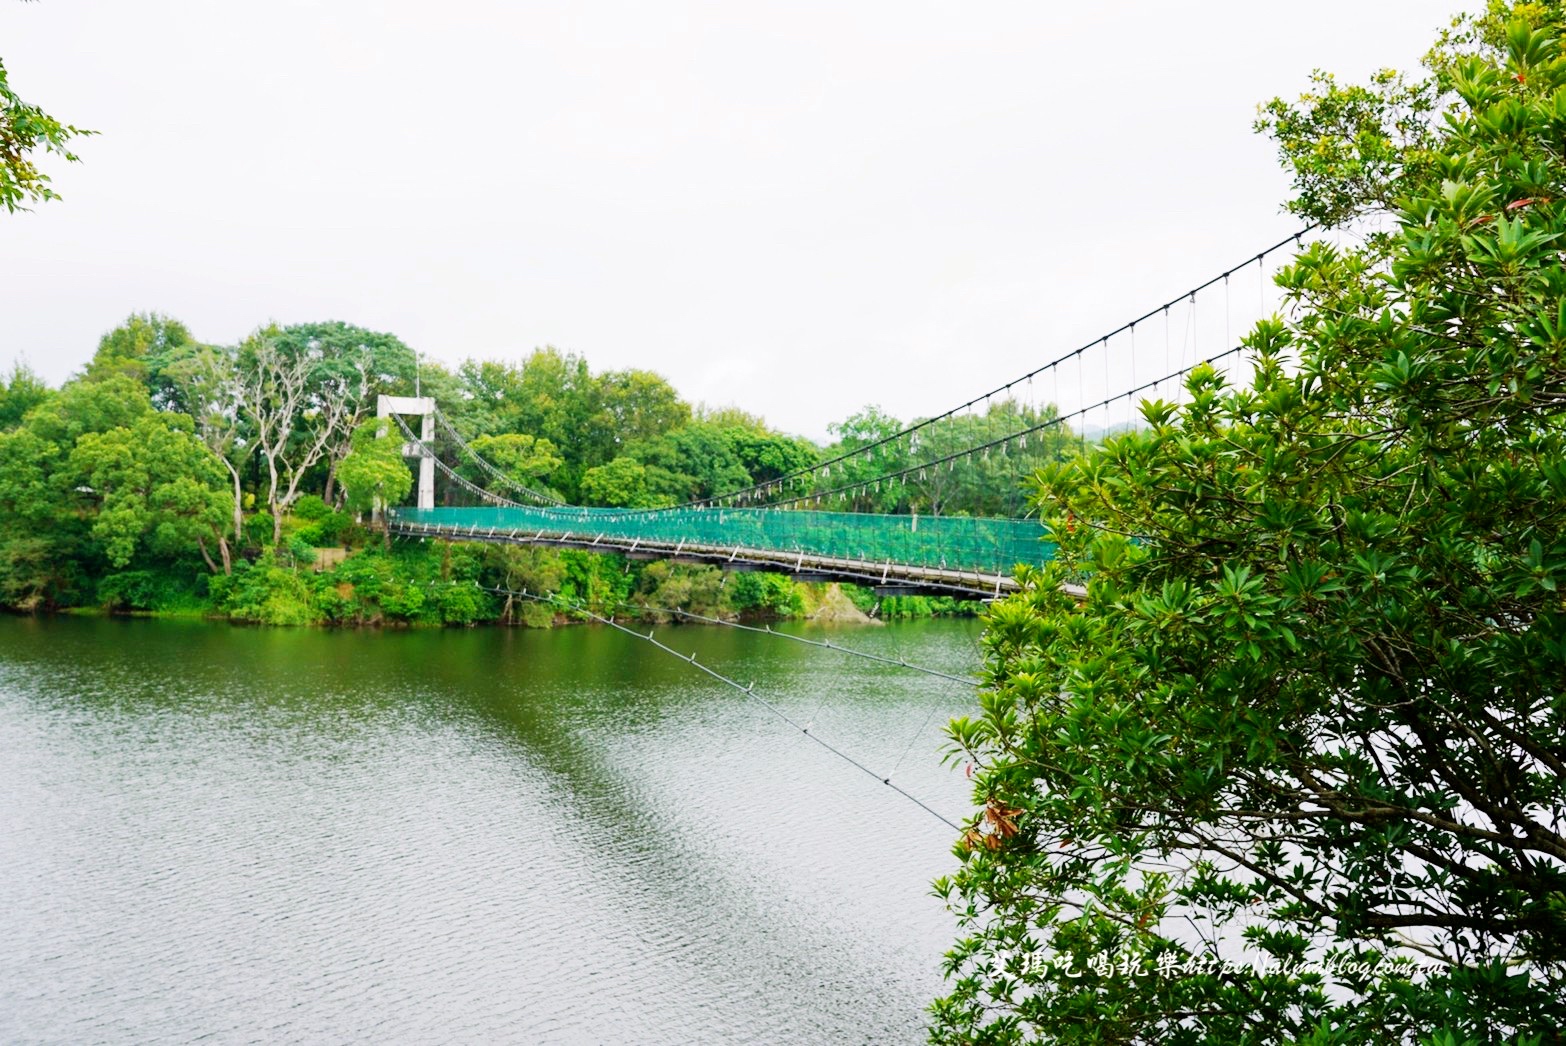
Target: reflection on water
288,835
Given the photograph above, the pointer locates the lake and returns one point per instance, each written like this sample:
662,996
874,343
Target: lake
222,834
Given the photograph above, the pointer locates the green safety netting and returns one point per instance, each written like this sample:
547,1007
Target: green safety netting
949,542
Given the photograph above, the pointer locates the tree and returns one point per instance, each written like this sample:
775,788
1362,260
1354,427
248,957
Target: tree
207,381
865,431
695,461
373,474
293,420
354,366
142,348
36,569
25,131
640,405
623,483
525,459
154,485
20,393
768,455
1292,770
88,406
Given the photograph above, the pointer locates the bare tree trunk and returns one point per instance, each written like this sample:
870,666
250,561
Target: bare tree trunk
228,557
239,509
331,481
201,543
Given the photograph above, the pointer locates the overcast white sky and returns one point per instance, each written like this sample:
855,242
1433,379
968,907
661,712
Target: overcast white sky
795,207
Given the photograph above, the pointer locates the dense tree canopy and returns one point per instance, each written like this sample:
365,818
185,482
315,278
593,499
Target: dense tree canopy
153,483
270,432
144,348
1295,769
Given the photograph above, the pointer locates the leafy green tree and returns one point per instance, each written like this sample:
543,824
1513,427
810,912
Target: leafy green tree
696,461
207,381
640,405
767,455
88,406
37,568
985,483
142,348
374,474
20,393
1292,770
623,483
526,459
154,485
25,132
590,419
864,431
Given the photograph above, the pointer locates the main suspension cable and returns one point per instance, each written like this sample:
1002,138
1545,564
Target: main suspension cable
1001,389
473,488
999,441
493,470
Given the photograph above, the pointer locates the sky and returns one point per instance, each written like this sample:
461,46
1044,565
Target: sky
796,208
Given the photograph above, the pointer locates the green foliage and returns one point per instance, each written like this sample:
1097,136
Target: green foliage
697,460
310,508
861,431
985,484
20,393
300,550
525,459
38,571
264,593
150,590
374,472
762,595
554,397
144,348
333,528
597,580
661,585
1312,710
896,608
25,132
153,485
351,364
624,483
89,406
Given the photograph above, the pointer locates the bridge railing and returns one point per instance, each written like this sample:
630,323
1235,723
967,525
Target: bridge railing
947,542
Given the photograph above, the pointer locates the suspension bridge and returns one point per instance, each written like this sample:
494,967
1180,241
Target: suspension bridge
778,524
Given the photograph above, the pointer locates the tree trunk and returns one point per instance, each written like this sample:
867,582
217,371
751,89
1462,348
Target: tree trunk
271,501
239,511
201,543
331,481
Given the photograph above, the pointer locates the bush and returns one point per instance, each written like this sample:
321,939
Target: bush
265,594
133,590
326,530
764,595
310,507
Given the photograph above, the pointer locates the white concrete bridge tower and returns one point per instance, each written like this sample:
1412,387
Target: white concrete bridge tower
422,407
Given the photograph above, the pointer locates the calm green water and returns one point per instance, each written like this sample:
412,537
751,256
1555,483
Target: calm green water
231,835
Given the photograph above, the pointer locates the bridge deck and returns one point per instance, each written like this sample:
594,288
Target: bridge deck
885,573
